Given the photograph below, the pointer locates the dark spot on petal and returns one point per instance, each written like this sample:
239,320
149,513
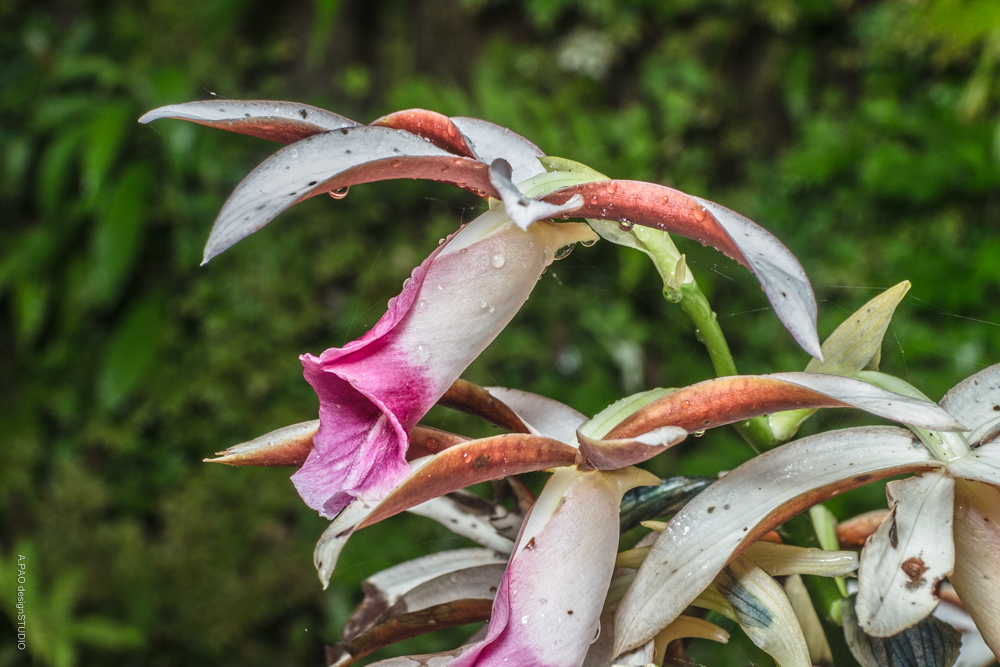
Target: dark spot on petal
783,294
481,461
570,612
997,408
711,509
343,131
530,545
862,478
312,183
303,113
913,568
893,533
725,507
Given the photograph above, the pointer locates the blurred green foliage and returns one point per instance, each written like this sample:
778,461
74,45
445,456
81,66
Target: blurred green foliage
864,134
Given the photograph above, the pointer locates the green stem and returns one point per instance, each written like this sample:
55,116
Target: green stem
756,431
823,591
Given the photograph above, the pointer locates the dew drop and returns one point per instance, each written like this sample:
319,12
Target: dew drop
440,241
441,287
604,212
491,308
395,163
483,304
339,193
423,354
664,199
406,282
597,634
593,200
698,434
587,244
625,225
498,261
422,303
699,213
564,251
661,226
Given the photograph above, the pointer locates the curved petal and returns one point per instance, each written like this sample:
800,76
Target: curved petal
285,122
542,614
908,556
781,276
491,141
976,403
331,161
427,660
747,503
650,502
982,465
522,210
436,128
542,415
596,454
977,566
334,539
853,533
461,519
729,399
779,560
471,463
474,400
375,389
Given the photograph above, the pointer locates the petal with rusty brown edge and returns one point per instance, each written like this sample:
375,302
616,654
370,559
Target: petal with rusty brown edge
542,415
332,161
781,276
436,128
473,462
908,556
597,454
729,399
474,400
749,501
289,446
976,403
284,122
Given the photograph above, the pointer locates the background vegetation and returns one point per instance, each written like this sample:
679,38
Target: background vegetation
864,134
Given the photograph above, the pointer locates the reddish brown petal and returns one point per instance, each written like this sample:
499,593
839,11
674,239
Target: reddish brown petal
721,401
284,122
473,400
851,534
437,128
425,440
471,463
611,454
461,172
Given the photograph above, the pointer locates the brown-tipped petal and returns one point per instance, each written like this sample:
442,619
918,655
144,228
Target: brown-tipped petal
729,399
781,276
522,210
335,537
977,567
285,122
332,161
542,415
471,463
287,446
976,403
491,141
749,502
436,128
982,465
473,400
414,624
851,534
596,454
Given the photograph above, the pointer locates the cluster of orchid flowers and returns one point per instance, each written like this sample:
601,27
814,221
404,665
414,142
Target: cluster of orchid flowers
549,579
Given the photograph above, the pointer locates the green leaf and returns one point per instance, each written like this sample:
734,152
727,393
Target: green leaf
131,354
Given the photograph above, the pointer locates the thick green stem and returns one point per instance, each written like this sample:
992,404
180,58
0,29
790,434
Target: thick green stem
823,591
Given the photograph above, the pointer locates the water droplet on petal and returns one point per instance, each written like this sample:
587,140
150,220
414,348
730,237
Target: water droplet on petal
339,193
491,308
625,225
395,163
440,287
587,244
423,354
598,633
564,251
698,434
498,261
483,304
406,282
422,303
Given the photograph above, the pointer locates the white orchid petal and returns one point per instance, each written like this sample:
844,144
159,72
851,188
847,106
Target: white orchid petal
974,651
731,513
542,415
977,568
982,465
522,210
876,400
335,537
781,276
450,514
764,612
976,403
491,141
780,560
429,660
399,579
812,628
907,556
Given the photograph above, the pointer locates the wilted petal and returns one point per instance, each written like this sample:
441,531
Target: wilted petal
491,141
982,465
729,399
542,615
909,554
285,122
930,643
977,564
473,462
764,612
542,415
375,389
331,161
522,210
784,281
976,403
597,454
747,503
779,560
430,125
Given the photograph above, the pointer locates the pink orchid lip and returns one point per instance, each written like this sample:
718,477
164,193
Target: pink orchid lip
374,390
